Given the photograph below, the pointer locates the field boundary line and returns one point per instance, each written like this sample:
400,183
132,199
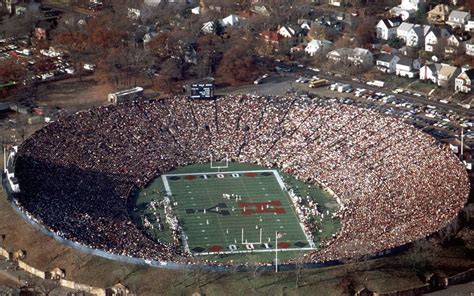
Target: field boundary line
217,173
253,251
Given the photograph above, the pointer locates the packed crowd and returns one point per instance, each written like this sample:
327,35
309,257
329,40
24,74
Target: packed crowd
395,183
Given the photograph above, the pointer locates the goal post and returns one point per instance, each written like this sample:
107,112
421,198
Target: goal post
219,162
246,242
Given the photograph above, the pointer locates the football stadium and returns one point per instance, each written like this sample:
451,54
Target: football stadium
235,180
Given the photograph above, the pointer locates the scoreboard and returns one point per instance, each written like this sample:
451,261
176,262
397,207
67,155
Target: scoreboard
202,91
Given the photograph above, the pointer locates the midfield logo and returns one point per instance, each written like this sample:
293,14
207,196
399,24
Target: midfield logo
220,208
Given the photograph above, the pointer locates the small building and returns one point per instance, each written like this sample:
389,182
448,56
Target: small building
208,27
434,37
429,72
470,26
354,56
439,14
458,18
457,43
387,63
407,67
125,95
407,8
416,35
464,82
387,28
230,21
470,47
403,30
447,75
289,31
315,46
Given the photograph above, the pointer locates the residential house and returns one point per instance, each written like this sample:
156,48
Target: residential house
315,46
230,21
470,47
387,62
439,14
457,43
407,67
338,54
458,18
196,10
289,31
411,4
208,27
387,28
271,37
447,74
356,56
261,10
434,37
464,82
304,24
42,29
337,3
470,26
416,36
407,8
403,30
430,72
361,56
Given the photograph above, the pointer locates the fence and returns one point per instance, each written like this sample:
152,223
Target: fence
30,269
81,287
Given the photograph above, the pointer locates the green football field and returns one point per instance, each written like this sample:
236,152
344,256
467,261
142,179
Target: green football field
212,224
255,209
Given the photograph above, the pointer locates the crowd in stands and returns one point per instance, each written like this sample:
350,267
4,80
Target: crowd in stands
396,184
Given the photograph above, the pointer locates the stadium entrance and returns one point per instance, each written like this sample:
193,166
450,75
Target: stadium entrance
235,210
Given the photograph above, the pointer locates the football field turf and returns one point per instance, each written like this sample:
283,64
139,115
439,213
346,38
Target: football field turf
235,212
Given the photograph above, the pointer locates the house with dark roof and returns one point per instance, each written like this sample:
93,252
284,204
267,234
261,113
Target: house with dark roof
387,63
407,67
464,82
435,36
429,72
387,28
